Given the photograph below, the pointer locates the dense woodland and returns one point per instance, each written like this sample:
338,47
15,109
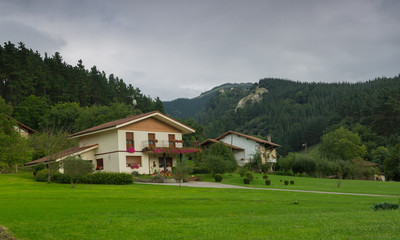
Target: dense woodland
295,113
46,92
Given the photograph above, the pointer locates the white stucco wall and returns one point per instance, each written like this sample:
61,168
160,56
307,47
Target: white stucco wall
112,149
248,145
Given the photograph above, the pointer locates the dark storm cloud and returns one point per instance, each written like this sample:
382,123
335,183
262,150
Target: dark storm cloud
179,48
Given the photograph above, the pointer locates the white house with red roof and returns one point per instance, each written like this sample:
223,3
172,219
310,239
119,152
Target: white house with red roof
244,147
146,143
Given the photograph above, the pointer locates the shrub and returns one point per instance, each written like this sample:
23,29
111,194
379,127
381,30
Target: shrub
41,176
385,206
288,173
286,182
250,176
92,178
304,163
265,176
268,182
219,159
200,170
58,177
218,177
291,182
110,178
242,171
246,180
266,167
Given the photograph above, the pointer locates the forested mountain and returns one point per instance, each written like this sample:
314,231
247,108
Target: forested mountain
47,92
185,108
24,72
295,113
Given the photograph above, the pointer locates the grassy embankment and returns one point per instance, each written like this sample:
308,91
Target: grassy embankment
32,210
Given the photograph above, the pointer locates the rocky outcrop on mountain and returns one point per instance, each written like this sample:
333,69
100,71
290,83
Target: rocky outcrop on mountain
253,97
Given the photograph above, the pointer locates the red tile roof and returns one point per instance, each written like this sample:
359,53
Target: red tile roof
62,154
21,125
118,122
215,141
259,140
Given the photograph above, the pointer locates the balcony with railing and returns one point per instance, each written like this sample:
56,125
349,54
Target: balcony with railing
166,146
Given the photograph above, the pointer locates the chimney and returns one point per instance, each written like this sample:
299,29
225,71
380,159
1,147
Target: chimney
269,138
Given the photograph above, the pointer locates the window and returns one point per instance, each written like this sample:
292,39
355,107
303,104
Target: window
129,140
99,164
133,161
152,140
161,162
171,140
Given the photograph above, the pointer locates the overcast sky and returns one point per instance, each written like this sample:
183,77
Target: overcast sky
180,48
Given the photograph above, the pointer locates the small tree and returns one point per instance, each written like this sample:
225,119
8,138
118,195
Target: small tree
342,144
219,159
14,149
50,144
76,167
181,171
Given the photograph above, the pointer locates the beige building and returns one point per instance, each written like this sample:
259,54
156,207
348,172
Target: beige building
146,143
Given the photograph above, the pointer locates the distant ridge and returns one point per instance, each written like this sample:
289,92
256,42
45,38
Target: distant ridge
184,108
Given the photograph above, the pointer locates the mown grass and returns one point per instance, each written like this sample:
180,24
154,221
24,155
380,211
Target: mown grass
313,184
32,210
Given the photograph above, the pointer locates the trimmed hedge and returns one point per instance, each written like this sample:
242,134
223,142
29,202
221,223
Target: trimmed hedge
246,180
218,177
385,206
92,178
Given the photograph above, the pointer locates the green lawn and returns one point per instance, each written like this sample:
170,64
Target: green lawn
32,210
314,184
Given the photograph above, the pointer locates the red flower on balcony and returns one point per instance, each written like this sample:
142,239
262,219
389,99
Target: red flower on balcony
131,150
135,166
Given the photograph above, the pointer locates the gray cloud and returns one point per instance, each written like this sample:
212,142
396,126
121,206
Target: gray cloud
180,48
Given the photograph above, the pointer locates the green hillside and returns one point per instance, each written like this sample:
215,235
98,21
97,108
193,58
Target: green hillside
185,108
295,113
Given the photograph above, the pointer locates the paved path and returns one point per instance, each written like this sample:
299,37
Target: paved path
221,185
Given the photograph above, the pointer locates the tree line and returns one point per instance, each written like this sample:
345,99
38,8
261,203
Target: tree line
47,92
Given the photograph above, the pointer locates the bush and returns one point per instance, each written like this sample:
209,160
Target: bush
110,178
385,206
291,182
286,182
246,180
219,159
265,176
41,176
303,163
200,170
92,178
268,182
58,177
288,173
250,176
218,177
242,171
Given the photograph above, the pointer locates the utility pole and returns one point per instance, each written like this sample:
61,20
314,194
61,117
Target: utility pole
305,147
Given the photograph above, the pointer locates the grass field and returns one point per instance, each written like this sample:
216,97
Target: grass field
32,210
314,184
